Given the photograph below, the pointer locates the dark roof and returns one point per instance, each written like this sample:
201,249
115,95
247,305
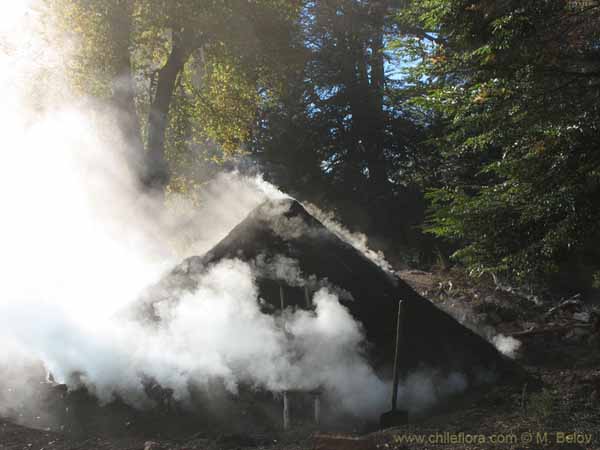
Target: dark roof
432,338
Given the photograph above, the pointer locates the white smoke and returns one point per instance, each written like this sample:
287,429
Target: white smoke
507,345
357,240
287,270
79,242
280,267
218,332
423,389
226,200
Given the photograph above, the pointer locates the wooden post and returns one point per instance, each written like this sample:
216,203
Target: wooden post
397,357
317,394
286,411
307,298
282,297
317,407
286,400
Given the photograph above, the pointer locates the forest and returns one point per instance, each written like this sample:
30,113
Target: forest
250,224
452,132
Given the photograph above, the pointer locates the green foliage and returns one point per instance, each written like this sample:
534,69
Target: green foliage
541,404
342,133
489,108
234,66
229,104
87,26
517,87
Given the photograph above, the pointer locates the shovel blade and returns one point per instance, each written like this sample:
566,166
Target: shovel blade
393,418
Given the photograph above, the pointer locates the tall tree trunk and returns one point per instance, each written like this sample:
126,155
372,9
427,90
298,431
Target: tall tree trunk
156,174
365,82
376,131
352,73
123,88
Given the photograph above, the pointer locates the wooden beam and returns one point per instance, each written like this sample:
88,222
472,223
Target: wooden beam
286,400
286,411
307,298
282,297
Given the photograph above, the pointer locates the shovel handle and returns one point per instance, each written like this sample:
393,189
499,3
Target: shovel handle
397,356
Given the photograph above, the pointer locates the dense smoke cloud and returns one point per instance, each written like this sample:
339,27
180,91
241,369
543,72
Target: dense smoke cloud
80,242
217,332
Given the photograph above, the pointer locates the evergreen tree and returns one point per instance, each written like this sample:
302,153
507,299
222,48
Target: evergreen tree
517,86
343,136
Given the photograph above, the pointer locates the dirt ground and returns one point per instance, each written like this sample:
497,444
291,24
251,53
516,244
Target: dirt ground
558,408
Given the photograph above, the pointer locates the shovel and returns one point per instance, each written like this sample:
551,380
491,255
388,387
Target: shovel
396,416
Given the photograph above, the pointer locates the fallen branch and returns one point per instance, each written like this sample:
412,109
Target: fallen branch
544,330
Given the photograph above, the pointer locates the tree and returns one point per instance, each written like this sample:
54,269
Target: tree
517,86
156,59
342,136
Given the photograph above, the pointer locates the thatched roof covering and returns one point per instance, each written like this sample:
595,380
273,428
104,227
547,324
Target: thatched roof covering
432,338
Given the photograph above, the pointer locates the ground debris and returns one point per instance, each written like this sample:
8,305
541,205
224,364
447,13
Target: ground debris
336,441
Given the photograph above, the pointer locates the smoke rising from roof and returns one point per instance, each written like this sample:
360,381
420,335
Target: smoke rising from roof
217,332
80,242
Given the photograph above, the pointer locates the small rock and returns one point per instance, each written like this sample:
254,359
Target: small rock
151,445
581,332
577,334
582,316
594,339
494,317
570,378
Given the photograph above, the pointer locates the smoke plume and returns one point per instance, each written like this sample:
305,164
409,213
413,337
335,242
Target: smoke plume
80,242
507,345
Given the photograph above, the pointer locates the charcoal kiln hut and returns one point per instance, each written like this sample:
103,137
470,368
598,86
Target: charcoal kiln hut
284,229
